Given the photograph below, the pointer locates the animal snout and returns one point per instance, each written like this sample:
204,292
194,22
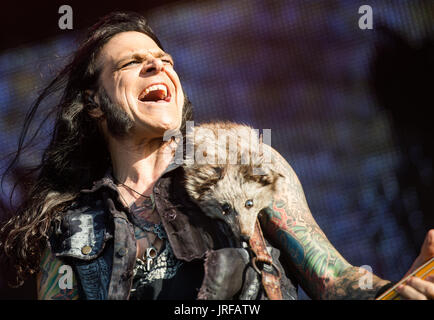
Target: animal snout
247,225
245,238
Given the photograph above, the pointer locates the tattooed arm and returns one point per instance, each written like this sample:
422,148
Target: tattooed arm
48,286
322,272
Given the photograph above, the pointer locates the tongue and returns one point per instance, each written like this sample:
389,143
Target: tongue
154,95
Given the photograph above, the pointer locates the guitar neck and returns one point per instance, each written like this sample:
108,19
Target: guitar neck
422,272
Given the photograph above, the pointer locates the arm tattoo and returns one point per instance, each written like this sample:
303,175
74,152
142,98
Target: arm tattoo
48,280
322,271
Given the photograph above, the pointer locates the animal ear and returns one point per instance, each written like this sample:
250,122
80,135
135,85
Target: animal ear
264,174
199,179
220,172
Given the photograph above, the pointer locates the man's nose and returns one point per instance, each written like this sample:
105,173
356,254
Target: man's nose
155,66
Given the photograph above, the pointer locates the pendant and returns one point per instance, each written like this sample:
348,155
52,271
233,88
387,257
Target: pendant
151,253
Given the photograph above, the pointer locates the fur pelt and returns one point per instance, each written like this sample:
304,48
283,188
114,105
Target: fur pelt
235,187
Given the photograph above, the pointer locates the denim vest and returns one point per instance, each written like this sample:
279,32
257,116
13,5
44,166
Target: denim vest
95,236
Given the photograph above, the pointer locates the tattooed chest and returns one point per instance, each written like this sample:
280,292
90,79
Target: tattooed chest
147,227
142,210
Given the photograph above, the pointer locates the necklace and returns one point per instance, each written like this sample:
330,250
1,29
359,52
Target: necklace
142,223
149,201
151,252
123,184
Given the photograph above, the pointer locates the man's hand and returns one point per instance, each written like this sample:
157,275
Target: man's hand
416,288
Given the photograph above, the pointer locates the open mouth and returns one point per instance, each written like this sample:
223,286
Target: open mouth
155,93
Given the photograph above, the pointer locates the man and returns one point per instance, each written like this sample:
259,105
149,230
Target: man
110,204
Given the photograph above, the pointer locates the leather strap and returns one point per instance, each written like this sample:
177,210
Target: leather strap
270,281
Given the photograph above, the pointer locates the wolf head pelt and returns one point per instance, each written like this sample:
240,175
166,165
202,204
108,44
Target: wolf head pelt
234,188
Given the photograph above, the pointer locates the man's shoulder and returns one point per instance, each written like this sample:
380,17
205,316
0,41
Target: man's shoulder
279,163
82,229
84,204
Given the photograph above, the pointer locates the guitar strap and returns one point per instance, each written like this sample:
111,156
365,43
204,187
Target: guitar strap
270,281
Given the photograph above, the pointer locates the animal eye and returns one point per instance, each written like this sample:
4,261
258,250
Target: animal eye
226,208
249,204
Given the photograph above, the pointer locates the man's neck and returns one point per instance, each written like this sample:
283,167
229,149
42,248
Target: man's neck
139,165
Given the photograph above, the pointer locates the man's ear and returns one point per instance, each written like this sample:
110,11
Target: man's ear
91,104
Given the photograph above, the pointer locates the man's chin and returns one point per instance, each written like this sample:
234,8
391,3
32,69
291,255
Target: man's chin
164,130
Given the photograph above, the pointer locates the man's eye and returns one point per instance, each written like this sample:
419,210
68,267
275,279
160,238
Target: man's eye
167,61
130,63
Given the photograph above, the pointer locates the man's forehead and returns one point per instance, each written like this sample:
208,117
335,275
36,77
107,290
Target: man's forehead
118,54
127,44
141,52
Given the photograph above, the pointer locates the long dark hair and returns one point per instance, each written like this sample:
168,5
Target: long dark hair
76,155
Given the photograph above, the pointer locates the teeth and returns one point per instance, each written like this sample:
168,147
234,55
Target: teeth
156,87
